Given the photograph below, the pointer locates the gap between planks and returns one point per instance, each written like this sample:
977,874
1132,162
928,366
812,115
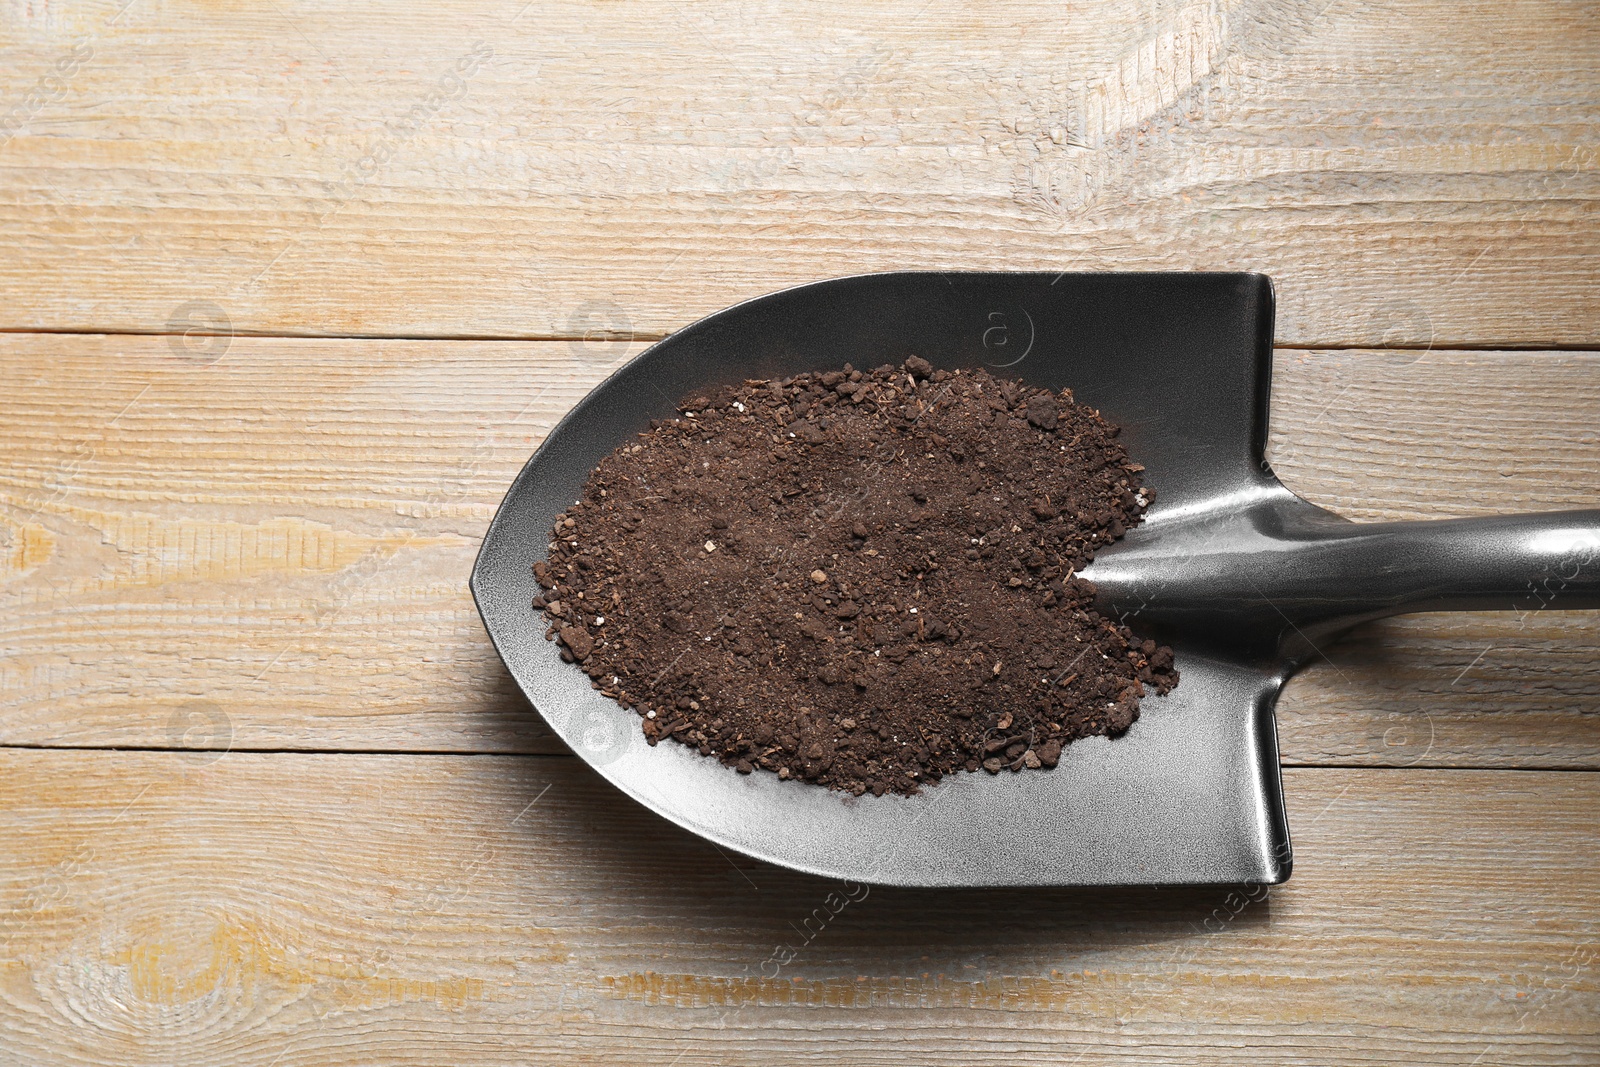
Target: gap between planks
652,336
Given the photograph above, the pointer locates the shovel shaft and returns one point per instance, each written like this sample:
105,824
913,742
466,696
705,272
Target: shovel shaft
1282,577
1503,563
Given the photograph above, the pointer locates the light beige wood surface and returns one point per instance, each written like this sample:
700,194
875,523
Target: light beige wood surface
278,910
212,543
271,550
1409,172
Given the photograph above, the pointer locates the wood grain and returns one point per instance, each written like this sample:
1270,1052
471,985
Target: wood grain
271,550
293,910
283,536
211,543
1412,173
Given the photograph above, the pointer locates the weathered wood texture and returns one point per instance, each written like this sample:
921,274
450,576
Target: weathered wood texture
1411,172
213,542
286,910
271,550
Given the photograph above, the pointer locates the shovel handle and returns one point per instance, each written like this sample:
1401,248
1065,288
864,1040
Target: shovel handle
1284,575
1519,563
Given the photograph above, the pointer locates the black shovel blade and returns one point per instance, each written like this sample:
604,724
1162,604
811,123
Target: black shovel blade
1190,794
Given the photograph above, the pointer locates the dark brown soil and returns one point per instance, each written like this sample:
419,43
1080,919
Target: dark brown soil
860,579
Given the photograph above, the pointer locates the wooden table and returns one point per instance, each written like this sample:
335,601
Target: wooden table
291,291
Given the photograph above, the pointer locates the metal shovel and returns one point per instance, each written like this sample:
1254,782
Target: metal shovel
1242,577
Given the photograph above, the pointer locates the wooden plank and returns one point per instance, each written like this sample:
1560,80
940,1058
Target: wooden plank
276,544
271,550
1465,690
1411,173
293,910
1423,435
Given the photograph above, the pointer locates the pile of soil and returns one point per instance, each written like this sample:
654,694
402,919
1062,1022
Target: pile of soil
863,579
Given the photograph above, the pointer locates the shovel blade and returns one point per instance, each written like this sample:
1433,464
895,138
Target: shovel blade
1190,794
